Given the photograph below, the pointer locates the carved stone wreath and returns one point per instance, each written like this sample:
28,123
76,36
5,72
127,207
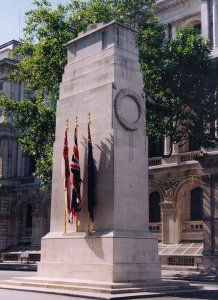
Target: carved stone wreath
121,118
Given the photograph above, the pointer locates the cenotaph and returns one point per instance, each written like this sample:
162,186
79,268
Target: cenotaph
103,77
119,255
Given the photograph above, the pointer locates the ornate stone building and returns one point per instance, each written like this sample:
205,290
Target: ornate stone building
24,209
184,187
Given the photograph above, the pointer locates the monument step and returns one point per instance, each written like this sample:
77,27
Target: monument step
73,287
96,294
91,287
102,284
86,295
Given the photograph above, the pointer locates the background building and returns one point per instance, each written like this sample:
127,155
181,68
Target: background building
183,190
24,209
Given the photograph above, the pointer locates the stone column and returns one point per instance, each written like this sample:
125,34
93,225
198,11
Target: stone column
36,228
166,145
169,223
215,28
19,162
174,29
205,19
103,77
210,224
175,148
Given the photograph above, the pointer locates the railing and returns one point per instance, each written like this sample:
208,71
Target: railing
188,156
174,158
193,226
155,227
154,161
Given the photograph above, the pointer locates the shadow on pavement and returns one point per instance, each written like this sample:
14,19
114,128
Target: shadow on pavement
195,295
191,276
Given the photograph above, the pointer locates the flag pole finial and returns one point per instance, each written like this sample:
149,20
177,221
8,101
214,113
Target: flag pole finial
89,118
77,124
67,123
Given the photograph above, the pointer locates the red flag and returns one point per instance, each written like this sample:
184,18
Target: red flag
67,185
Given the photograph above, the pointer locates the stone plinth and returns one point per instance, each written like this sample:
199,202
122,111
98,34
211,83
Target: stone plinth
103,77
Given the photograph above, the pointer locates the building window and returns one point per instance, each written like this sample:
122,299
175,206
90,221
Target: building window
196,204
193,144
1,167
154,207
180,261
155,148
170,32
29,216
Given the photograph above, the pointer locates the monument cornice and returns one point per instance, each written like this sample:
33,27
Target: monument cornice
98,27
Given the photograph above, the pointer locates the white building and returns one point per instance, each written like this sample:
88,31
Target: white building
184,191
24,209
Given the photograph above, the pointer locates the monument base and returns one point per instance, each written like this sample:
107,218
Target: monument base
115,256
97,290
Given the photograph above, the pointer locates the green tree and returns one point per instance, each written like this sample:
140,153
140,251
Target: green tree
181,82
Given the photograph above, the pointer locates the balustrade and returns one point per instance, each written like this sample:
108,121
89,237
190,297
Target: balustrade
155,227
193,226
188,156
174,158
155,161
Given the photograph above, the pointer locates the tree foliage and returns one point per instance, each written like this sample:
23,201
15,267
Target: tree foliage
178,74
35,125
181,84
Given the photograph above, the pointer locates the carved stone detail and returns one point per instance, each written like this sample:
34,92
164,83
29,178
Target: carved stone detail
168,205
168,187
139,102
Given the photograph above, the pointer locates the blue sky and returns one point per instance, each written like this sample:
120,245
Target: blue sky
10,13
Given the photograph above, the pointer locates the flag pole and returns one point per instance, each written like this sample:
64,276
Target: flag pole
77,221
65,209
89,223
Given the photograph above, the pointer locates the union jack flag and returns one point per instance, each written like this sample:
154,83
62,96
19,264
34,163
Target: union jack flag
66,173
76,178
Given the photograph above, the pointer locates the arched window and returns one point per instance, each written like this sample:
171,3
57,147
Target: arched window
196,24
197,28
29,216
196,204
154,207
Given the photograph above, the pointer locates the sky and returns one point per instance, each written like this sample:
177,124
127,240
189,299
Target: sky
12,13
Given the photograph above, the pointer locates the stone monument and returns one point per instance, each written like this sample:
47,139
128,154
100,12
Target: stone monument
103,77
119,255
